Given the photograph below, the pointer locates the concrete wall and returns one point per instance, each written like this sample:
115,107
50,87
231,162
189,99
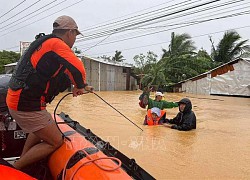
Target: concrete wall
105,76
108,77
9,69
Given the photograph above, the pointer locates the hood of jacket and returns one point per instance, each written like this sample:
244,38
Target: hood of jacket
188,106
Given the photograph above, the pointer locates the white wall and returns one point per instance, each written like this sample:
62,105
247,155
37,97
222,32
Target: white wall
203,86
235,82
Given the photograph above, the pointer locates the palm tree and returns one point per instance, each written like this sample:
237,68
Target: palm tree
179,45
118,56
229,47
178,59
155,76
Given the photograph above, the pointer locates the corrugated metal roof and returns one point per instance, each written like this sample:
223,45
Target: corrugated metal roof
104,61
122,64
208,72
11,64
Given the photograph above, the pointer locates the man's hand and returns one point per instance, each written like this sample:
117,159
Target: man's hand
89,88
77,92
174,126
167,125
147,90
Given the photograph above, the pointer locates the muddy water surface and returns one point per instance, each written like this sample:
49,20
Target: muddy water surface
218,149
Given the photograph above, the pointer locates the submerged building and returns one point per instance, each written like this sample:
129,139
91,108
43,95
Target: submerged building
102,74
105,75
232,78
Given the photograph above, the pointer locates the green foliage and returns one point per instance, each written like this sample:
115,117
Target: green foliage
76,50
105,57
118,56
179,45
229,47
180,61
148,66
7,57
143,63
155,76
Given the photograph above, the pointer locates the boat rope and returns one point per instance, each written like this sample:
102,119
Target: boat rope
89,161
55,115
98,97
117,110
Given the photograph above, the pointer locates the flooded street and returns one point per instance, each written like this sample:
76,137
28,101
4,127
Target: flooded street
218,149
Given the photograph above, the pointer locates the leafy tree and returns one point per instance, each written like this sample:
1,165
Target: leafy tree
155,76
180,44
178,61
204,62
76,50
118,56
105,57
229,47
143,64
181,61
7,57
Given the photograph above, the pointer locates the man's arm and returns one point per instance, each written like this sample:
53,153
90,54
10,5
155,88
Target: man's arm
174,120
74,66
187,124
144,97
77,92
169,105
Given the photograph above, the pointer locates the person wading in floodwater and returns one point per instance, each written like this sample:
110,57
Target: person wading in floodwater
145,100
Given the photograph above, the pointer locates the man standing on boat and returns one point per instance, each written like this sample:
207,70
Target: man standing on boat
44,70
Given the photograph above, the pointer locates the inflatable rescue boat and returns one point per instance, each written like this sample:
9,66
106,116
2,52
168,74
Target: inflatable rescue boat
83,155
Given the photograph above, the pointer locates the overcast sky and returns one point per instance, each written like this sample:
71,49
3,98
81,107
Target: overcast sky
23,23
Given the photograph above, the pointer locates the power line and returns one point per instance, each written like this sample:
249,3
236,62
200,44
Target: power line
106,31
158,17
216,9
27,16
46,10
193,23
12,8
95,37
41,18
97,25
167,25
115,30
207,34
178,16
130,19
20,12
97,43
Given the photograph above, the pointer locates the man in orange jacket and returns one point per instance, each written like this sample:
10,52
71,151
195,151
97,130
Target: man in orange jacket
44,70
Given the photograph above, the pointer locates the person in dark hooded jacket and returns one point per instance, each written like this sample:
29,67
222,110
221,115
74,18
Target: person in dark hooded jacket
185,120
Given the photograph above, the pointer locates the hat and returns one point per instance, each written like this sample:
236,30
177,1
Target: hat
159,94
66,22
156,110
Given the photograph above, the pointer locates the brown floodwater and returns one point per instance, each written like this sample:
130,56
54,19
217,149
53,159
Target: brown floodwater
218,149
